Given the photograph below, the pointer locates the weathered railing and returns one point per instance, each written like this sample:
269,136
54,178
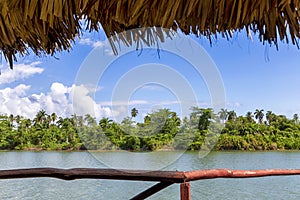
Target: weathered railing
165,178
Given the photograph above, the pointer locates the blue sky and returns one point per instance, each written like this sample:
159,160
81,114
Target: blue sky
253,76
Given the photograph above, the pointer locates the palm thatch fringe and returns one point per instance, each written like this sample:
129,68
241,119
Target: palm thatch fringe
47,26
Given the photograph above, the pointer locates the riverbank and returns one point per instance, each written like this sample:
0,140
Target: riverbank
161,130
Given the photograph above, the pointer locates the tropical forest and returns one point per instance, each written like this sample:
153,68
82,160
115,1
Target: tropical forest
160,130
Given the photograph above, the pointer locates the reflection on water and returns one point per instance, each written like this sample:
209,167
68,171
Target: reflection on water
287,187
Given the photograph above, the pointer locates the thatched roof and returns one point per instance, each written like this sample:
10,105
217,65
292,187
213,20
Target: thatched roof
46,26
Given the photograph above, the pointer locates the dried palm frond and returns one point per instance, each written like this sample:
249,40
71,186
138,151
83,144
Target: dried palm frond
47,26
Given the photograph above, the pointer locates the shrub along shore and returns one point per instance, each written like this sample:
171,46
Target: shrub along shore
160,130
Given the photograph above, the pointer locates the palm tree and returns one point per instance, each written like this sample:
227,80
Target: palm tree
185,121
104,122
91,121
296,118
259,115
40,117
147,120
231,115
53,117
80,121
134,112
223,114
195,116
175,119
11,119
59,122
270,117
249,116
47,121
74,120
18,119
27,124
204,119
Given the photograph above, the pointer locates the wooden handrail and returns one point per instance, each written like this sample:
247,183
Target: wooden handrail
94,173
165,178
228,173
141,175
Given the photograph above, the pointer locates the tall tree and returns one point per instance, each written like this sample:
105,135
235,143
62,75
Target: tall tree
270,117
194,116
204,119
176,119
231,115
74,120
134,112
249,116
259,115
90,120
295,118
27,123
18,119
104,123
40,117
53,117
11,119
147,119
223,114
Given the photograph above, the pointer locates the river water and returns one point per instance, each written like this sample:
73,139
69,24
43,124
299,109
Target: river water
286,187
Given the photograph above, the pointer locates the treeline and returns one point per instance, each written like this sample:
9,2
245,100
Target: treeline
161,129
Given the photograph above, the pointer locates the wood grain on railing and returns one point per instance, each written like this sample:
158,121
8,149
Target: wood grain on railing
141,175
165,178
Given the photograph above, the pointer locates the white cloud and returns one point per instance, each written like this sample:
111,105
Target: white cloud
13,101
93,43
234,104
124,103
83,103
97,44
61,99
85,41
20,72
66,100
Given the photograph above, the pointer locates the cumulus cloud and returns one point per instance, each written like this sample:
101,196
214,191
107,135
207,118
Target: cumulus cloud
14,101
83,103
61,99
20,72
66,100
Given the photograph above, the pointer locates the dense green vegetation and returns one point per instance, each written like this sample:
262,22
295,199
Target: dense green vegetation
161,129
